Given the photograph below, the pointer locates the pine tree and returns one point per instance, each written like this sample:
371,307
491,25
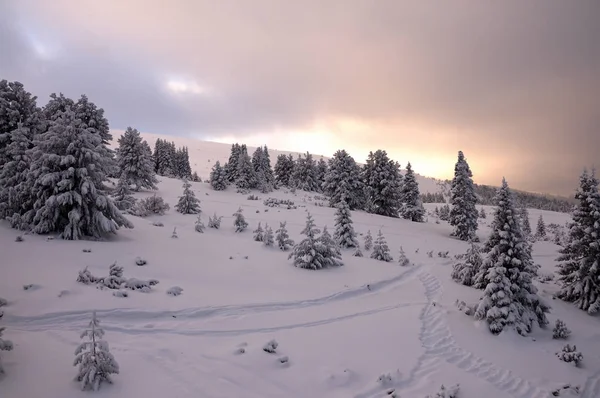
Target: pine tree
483,214
262,170
305,174
357,252
524,219
283,238
445,213
135,161
5,345
560,331
368,240
122,195
199,225
322,169
218,178
95,361
343,181
410,197
259,233
246,177
284,168
463,215
266,167
344,234
188,203
115,279
196,177
402,259
68,183
308,253
579,260
330,250
381,251
464,272
383,180
214,221
232,163
156,155
239,221
540,231
510,298
164,158
268,239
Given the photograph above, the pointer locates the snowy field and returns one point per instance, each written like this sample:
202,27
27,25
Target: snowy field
341,329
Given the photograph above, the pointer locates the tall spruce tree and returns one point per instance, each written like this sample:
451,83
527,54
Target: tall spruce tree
322,168
540,230
262,170
246,177
463,215
68,182
383,180
135,160
284,169
305,174
510,299
579,262
218,178
343,181
344,234
411,207
188,202
524,218
232,163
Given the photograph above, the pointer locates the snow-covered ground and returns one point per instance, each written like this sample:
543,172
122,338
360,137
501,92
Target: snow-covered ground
340,328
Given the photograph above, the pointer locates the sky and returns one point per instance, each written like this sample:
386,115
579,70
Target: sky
514,84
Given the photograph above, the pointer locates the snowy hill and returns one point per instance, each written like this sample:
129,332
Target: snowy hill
361,330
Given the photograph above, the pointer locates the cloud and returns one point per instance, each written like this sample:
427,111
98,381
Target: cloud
513,84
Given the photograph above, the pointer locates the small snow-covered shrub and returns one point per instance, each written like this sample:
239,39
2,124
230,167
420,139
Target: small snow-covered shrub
31,286
174,291
283,238
274,202
259,233
199,225
214,222
115,279
95,361
253,197
240,351
140,261
443,254
157,224
140,284
268,237
239,222
569,353
86,277
151,205
464,272
87,250
284,360
545,277
121,293
64,293
357,252
271,347
447,392
402,259
368,240
19,238
430,254
5,345
463,307
560,330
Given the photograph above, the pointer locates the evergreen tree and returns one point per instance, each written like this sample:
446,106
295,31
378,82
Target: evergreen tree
330,250
196,177
410,197
5,345
188,203
510,298
246,177
368,240
156,155
135,160
268,239
445,213
357,252
383,180
305,174
540,231
259,233
232,163
218,177
284,169
308,253
239,221
186,168
381,251
343,181
68,183
95,361
344,234
122,195
322,169
402,259
283,238
464,272
214,221
262,170
579,260
524,218
266,166
463,215
199,226
164,158
483,215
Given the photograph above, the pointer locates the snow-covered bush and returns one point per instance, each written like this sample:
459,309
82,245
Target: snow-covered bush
285,360
5,345
402,259
368,240
445,254
115,278
199,225
151,205
271,347
463,307
560,330
268,238
140,284
239,222
357,253
464,272
259,233
214,221
445,392
274,202
188,202
19,238
253,197
95,361
569,353
31,286
140,261
87,250
86,277
157,224
381,251
283,239
174,291
121,293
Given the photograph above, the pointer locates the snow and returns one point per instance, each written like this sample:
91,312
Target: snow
340,328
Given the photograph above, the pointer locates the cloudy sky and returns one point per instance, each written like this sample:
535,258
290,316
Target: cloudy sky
514,84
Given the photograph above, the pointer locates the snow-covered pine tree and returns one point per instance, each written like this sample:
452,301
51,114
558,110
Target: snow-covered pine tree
463,215
214,221
579,260
308,253
268,238
266,167
199,225
464,271
509,298
164,154
239,222
560,331
262,170
381,251
410,198
122,196
330,250
343,181
246,177
524,218
218,178
283,238
232,163
5,345
68,188
540,230
402,259
259,233
383,180
344,234
186,168
284,168
305,174
188,202
96,363
134,160
322,168
196,177
115,279
368,240
483,214
445,212
357,252
156,155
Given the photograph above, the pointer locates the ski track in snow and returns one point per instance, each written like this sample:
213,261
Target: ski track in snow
591,388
